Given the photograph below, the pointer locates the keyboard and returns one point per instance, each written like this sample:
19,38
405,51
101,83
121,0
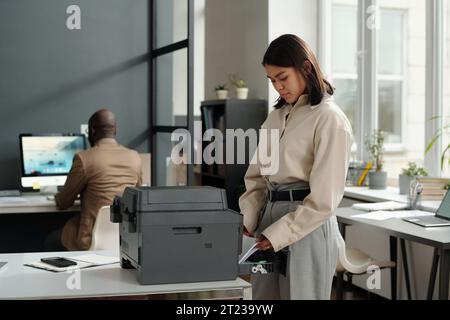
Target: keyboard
10,193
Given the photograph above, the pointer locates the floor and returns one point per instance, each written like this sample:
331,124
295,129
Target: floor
355,293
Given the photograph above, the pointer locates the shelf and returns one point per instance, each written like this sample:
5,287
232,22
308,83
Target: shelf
228,101
209,175
222,115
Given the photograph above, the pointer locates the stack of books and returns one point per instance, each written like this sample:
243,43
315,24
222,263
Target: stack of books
433,188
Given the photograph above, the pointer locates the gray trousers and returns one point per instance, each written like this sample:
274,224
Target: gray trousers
311,261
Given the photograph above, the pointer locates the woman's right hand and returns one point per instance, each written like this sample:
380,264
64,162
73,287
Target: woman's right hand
248,234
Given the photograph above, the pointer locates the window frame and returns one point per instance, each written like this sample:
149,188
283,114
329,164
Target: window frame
403,78
188,44
367,75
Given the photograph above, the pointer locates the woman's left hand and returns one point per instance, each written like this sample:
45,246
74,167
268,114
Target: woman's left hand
263,244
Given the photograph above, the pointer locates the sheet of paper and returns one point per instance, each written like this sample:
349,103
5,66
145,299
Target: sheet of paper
250,251
95,259
378,206
46,266
384,215
12,200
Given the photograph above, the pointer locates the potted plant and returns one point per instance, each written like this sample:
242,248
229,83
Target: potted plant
375,145
409,174
240,85
221,91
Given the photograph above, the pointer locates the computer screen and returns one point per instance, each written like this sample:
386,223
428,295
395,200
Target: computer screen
444,208
47,159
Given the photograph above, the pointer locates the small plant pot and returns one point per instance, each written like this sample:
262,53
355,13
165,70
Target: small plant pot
404,183
242,93
222,94
377,180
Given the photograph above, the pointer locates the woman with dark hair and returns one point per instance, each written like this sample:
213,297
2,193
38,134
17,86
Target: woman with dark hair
292,209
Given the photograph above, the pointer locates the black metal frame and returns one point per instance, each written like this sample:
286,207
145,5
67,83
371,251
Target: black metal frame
187,43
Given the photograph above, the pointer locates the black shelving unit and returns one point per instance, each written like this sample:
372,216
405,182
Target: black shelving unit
230,114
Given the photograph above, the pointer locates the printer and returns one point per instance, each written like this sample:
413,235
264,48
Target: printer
178,234
184,234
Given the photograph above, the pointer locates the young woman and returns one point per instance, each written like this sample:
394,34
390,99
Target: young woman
292,209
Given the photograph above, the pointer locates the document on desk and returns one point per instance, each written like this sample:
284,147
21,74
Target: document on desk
385,215
83,261
95,259
380,206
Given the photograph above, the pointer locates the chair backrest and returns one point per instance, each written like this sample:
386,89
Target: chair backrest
343,260
342,257
105,235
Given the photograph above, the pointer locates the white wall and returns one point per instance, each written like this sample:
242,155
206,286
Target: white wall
236,33
239,31
294,16
298,17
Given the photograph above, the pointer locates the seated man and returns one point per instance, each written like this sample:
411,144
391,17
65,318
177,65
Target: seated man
97,174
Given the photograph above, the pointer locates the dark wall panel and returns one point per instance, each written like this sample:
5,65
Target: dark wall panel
52,79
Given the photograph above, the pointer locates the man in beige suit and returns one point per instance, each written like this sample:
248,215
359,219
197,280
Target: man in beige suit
97,175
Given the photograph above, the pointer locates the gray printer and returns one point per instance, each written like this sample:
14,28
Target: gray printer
178,234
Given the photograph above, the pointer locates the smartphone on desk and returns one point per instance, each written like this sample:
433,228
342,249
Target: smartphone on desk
59,262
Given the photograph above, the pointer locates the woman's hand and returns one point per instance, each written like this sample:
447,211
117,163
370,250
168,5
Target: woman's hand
263,244
248,234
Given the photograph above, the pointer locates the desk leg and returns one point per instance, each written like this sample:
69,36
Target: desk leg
342,227
405,267
393,254
247,293
444,274
340,275
433,273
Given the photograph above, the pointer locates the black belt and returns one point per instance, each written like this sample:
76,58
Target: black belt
288,195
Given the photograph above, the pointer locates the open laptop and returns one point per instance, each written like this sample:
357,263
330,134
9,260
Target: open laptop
440,219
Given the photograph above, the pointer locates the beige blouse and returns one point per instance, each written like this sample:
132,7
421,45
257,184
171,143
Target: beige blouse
314,147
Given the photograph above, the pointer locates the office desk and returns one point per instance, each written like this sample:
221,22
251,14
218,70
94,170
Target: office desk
390,194
438,237
32,203
20,282
26,221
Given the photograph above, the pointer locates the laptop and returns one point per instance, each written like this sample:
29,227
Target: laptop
440,219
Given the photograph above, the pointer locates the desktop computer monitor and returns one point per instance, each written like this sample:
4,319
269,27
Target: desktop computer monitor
47,159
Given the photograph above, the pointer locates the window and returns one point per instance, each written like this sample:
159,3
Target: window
344,59
391,73
446,111
397,72
171,100
171,22
401,52
172,78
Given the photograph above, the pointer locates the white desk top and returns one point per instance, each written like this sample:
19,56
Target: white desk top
20,282
390,194
31,203
438,237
